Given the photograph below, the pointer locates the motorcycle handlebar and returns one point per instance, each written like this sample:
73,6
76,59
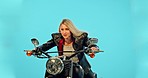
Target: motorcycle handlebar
39,54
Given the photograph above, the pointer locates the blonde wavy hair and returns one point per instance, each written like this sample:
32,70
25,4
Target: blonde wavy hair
71,27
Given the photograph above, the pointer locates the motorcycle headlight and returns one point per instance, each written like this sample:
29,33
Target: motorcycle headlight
54,65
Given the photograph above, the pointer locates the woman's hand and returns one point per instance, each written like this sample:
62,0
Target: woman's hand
92,54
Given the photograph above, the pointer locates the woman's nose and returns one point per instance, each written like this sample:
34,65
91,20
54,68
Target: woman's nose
64,31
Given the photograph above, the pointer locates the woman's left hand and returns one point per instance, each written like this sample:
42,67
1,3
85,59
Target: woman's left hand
92,54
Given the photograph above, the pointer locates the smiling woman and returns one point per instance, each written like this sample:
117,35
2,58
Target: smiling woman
71,39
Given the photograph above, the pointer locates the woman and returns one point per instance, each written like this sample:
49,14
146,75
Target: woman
70,38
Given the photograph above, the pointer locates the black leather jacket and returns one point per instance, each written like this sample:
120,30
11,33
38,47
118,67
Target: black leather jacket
79,44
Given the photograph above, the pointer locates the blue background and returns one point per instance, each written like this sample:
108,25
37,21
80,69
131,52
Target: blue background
120,25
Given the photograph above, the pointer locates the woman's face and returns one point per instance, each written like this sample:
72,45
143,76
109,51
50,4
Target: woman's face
64,30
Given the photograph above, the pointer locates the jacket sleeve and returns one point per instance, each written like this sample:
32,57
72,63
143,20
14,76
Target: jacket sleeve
46,46
87,42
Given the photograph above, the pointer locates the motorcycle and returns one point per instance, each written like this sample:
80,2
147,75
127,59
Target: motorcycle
59,66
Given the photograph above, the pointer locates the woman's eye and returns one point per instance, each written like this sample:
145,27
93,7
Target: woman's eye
66,29
62,29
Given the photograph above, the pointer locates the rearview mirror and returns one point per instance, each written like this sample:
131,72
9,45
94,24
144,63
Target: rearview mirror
93,40
35,41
